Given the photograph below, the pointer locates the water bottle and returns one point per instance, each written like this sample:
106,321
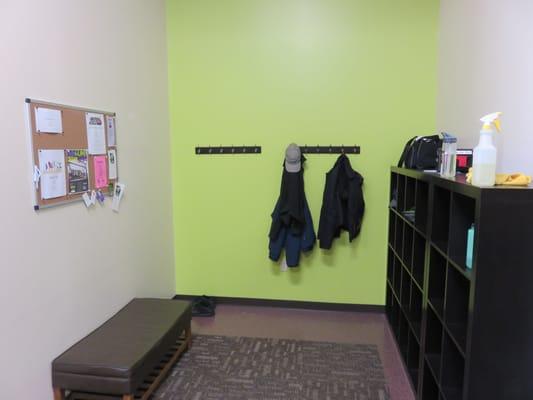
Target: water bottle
449,156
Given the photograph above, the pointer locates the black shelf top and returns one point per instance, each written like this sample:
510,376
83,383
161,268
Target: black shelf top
457,184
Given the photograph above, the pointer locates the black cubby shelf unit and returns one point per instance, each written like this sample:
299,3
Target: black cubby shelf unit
464,334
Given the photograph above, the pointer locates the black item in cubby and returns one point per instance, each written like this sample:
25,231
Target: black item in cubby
406,290
392,227
456,307
437,281
474,329
462,217
408,233
453,369
421,213
401,193
430,389
399,237
419,255
441,218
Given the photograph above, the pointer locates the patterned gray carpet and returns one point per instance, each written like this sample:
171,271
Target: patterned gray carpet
240,368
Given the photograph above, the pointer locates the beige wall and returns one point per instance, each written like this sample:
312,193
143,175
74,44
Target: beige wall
486,65
65,270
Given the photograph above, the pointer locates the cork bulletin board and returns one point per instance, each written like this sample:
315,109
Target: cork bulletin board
71,138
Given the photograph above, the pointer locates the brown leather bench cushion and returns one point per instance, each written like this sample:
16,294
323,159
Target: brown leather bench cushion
116,357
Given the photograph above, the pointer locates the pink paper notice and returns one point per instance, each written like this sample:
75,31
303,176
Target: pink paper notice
100,171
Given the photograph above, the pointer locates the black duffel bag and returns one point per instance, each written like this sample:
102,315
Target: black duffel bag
421,152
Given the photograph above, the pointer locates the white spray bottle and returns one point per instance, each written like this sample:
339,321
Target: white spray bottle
484,162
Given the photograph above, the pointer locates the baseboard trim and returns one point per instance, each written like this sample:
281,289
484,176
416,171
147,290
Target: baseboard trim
305,305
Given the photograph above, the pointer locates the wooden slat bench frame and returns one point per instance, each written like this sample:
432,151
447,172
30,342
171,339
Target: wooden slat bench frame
150,384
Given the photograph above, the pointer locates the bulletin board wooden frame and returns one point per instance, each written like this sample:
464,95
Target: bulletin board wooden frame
73,137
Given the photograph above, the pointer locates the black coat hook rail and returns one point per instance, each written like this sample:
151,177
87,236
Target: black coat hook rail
330,149
228,150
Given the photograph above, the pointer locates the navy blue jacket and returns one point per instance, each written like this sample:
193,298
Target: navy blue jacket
291,241
292,226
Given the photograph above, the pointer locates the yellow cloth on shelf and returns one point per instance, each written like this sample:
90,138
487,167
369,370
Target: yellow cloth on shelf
516,179
469,176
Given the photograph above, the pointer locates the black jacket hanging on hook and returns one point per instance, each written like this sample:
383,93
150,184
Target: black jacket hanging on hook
292,225
343,204
291,204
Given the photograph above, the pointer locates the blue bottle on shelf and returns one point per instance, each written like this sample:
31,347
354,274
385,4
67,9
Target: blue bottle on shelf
470,247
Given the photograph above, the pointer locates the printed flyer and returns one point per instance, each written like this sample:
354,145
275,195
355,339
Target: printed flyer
78,171
112,158
95,133
111,137
52,166
100,171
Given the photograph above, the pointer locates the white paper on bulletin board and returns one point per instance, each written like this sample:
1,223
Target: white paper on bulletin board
48,120
95,133
53,180
111,135
112,160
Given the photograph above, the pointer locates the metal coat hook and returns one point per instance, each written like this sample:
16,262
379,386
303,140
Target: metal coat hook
227,150
331,149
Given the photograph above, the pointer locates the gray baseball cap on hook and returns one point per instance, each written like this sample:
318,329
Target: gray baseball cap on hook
293,158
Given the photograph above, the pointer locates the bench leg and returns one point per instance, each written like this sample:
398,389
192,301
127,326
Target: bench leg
127,397
59,394
188,337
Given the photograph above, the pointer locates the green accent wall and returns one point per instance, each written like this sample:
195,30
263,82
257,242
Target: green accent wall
272,72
